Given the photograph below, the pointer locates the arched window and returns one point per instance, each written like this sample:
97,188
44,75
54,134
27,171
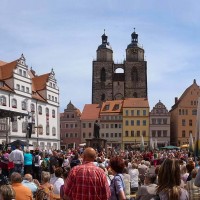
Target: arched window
54,131
40,129
103,75
3,101
103,96
40,110
14,103
53,113
24,105
32,107
47,111
134,74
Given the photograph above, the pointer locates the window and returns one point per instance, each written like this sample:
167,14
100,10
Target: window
54,131
144,112
164,121
183,112
84,125
111,135
144,133
191,103
138,112
159,133
183,122
138,133
132,112
165,133
107,125
72,116
115,125
18,87
126,112
179,111
32,107
126,122
66,125
120,134
194,112
71,125
56,99
54,86
183,134
40,110
138,122
132,133
107,135
20,72
103,75
47,129
83,135
144,122
126,133
24,73
49,97
76,125
132,122
102,125
53,113
47,111
102,135
14,103
190,122
90,125
153,121
115,134
40,129
120,125
52,98
24,127
153,133
66,135
24,105
112,126
159,121
23,88
76,135
3,101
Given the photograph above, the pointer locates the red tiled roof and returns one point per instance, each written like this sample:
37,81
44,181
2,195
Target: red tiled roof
6,71
2,62
114,106
5,87
39,82
90,112
136,102
37,96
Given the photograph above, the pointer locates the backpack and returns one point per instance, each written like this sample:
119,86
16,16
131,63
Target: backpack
45,165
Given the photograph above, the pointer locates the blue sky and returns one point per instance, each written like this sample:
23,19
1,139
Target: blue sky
65,35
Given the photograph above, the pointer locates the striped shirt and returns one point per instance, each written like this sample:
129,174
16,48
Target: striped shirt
87,182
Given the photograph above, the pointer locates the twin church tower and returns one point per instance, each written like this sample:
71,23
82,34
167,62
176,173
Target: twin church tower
111,81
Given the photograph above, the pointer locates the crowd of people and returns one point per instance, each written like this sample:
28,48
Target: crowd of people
88,174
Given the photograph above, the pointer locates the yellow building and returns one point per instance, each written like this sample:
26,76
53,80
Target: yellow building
135,122
183,115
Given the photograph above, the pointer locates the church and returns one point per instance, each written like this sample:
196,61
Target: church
110,84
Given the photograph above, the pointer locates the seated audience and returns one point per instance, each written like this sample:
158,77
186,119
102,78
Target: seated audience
28,182
7,192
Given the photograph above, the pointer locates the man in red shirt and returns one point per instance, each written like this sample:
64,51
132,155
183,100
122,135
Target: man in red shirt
86,181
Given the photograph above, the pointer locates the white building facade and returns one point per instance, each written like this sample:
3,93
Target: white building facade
29,101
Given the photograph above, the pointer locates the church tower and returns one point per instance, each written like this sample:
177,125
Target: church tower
102,74
110,84
135,70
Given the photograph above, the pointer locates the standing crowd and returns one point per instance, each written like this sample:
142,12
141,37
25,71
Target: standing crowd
88,174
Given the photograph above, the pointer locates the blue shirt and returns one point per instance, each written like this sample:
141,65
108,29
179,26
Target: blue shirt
32,186
117,184
28,159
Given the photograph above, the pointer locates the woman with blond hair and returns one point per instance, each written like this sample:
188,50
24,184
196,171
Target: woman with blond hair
169,181
7,192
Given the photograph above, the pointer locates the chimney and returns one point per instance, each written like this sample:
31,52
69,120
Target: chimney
176,99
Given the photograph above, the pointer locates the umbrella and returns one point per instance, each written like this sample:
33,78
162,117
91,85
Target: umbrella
191,143
142,144
155,144
170,147
184,146
18,142
197,136
151,144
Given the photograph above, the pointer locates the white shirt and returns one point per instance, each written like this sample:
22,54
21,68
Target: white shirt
134,174
57,183
16,156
